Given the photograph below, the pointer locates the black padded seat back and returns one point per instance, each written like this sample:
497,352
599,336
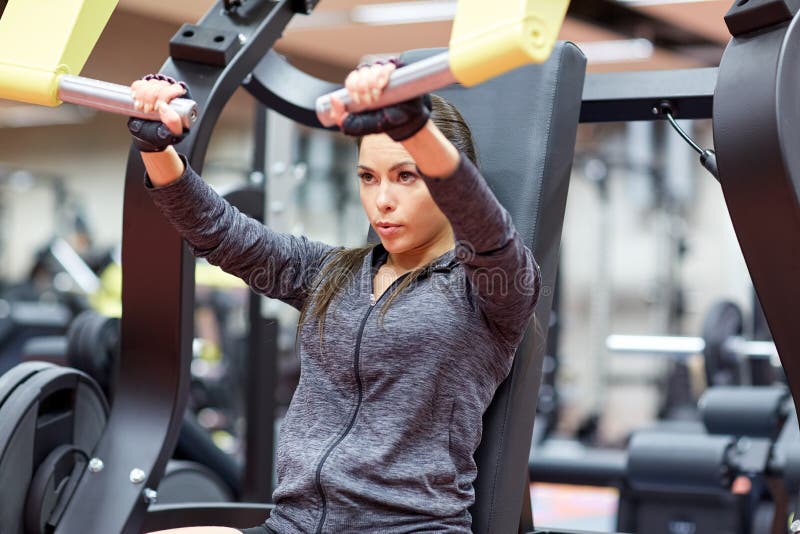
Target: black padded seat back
524,124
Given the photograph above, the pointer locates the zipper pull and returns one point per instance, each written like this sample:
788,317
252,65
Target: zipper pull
372,299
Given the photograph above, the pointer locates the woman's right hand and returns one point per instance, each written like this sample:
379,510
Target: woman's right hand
154,92
153,138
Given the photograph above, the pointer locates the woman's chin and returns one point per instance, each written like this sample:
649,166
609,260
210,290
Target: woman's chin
394,246
390,247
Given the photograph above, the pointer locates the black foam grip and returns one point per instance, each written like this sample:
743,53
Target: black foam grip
661,460
400,121
744,411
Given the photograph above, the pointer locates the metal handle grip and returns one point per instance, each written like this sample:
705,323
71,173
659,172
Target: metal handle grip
677,346
116,98
405,83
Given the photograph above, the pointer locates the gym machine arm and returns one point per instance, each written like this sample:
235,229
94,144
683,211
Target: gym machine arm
607,97
484,43
43,45
156,341
115,98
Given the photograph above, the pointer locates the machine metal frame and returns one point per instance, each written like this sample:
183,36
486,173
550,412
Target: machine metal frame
152,392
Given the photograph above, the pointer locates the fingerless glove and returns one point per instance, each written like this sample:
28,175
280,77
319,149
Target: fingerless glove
399,121
154,136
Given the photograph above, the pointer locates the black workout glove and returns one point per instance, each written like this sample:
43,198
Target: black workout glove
154,136
399,121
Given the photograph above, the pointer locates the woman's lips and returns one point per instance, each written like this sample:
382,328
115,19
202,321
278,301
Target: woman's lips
388,230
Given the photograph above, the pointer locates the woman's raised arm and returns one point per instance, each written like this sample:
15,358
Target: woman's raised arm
275,264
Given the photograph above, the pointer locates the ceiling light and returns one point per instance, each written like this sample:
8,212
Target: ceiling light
320,19
14,115
659,2
404,12
617,51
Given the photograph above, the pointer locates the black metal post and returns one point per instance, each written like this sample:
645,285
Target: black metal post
158,284
262,352
756,135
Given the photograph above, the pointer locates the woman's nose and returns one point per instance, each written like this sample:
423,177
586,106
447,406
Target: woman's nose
385,200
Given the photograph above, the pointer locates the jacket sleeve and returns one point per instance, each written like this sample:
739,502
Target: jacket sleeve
502,273
277,265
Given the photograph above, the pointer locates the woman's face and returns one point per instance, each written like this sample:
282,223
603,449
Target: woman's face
396,200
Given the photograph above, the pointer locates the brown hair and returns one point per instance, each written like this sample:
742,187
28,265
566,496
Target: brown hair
346,262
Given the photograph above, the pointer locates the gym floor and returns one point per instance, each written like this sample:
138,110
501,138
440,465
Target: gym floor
574,507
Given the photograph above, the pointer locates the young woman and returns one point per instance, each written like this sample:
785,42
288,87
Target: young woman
402,344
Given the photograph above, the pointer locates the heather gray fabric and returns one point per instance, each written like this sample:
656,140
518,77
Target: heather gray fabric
524,124
381,431
263,529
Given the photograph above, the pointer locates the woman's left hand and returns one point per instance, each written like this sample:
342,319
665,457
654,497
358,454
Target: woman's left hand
399,121
365,86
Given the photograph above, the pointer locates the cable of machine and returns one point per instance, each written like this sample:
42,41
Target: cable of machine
708,158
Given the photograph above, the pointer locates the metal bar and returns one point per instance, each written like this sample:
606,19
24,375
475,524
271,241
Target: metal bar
407,82
262,370
261,357
688,346
286,89
607,97
157,321
632,96
115,98
260,139
259,387
671,345
74,266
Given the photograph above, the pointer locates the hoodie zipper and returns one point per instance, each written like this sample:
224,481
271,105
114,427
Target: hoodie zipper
360,392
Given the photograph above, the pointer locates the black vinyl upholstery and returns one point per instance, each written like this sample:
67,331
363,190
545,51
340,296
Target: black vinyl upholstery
524,124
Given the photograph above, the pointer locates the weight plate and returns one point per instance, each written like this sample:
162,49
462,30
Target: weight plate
55,479
17,375
53,407
92,345
185,481
723,321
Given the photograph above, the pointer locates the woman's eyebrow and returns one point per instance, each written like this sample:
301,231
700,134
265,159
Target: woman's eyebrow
403,164
393,167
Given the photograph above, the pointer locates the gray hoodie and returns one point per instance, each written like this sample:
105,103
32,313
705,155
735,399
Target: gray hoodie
382,428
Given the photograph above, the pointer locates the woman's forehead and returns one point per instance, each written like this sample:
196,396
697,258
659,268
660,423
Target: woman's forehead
379,150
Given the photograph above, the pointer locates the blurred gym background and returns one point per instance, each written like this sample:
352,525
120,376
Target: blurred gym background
647,249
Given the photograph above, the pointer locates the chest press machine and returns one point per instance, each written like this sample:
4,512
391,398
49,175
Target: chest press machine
95,469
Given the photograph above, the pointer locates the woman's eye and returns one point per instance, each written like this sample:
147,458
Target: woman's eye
366,177
407,176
